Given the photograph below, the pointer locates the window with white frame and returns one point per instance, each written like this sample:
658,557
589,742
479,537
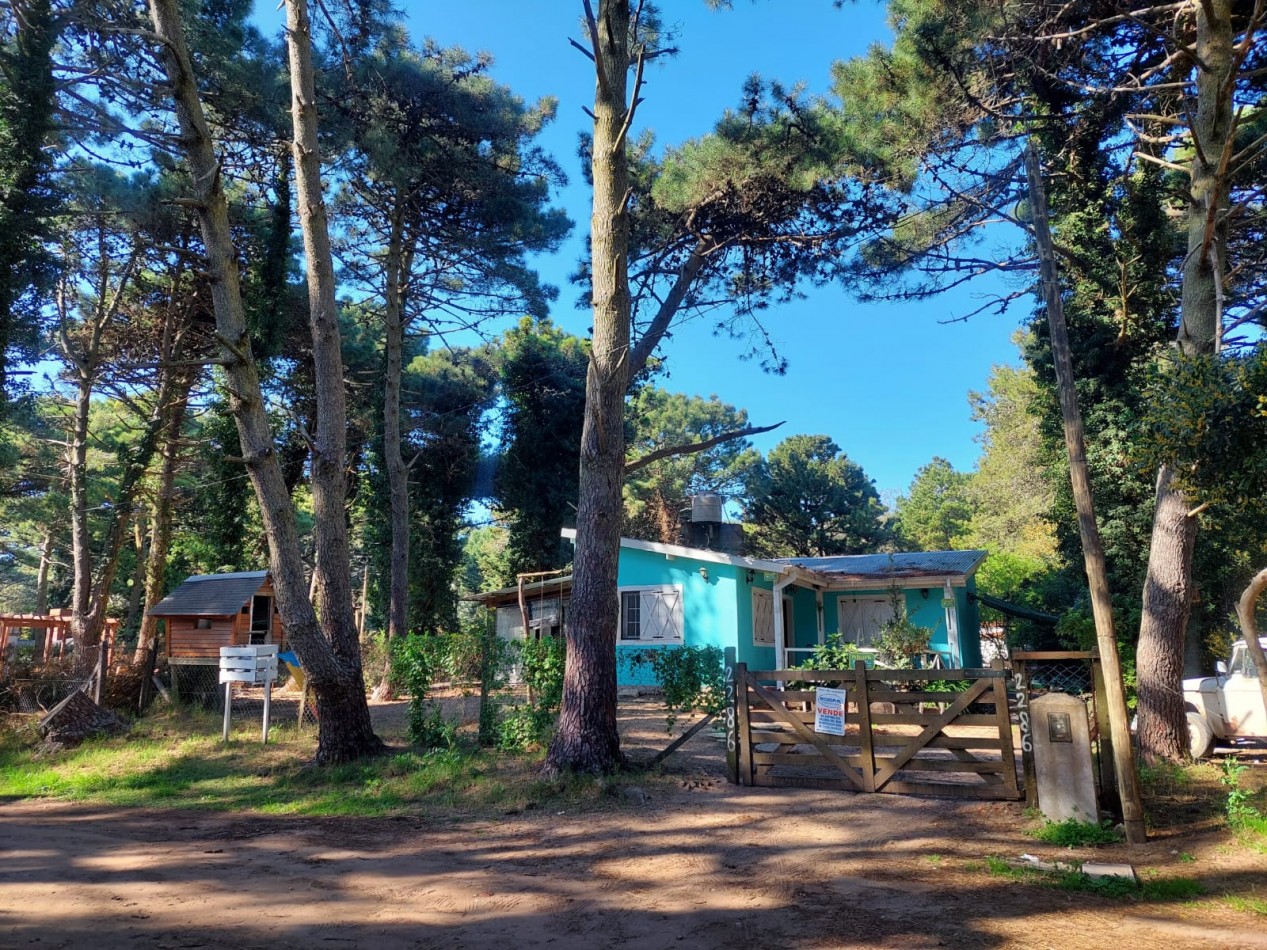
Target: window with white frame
650,615
762,618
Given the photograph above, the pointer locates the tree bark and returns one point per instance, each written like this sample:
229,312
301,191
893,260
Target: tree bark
587,739
397,473
1088,528
161,521
393,461
329,445
41,579
142,544
1169,584
344,732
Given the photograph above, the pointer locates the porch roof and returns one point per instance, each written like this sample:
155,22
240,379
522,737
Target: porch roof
929,567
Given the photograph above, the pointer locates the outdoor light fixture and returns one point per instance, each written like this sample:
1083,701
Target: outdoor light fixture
923,592
703,572
752,575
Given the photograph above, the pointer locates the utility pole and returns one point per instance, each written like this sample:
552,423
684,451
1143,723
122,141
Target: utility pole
1092,550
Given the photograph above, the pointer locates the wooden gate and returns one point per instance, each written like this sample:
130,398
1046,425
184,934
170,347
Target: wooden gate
901,736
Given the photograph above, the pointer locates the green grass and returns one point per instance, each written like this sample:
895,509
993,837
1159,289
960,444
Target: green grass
1250,905
177,760
1155,890
1072,833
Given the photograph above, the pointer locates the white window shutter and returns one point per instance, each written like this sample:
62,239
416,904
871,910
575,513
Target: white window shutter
763,617
661,614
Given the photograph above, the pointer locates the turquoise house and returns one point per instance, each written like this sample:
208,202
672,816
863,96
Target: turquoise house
670,595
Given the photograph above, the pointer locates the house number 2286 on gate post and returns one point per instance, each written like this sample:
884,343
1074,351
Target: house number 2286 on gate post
829,711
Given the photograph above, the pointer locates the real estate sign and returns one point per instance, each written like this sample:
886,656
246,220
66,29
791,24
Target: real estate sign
829,711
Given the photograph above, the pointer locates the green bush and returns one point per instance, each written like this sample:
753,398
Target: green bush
690,677
542,662
1072,833
901,640
523,727
835,654
415,660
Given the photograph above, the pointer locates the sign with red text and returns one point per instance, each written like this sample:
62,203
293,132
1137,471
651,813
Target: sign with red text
829,711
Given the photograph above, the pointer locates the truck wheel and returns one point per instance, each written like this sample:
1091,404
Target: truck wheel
1201,736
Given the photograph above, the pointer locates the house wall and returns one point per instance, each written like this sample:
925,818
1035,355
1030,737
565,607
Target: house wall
924,611
710,608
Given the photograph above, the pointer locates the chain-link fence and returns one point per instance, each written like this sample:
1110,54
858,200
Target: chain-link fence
199,686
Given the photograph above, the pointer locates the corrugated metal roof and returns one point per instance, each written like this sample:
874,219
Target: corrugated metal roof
888,566
536,588
210,595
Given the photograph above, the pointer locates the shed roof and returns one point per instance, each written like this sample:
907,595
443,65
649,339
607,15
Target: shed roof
885,567
210,595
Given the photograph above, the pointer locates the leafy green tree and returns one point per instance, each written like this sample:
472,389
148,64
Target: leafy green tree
445,197
1013,489
730,222
542,370
810,500
28,193
938,512
658,492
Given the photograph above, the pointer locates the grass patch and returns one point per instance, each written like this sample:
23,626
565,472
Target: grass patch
176,760
1161,890
1072,833
1249,905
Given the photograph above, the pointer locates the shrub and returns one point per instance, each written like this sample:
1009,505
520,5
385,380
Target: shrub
835,654
415,659
542,663
691,678
900,640
523,727
1072,833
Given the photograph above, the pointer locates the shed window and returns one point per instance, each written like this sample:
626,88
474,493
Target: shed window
202,623
651,615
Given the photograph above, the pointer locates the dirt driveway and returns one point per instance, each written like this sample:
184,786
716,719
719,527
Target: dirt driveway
699,864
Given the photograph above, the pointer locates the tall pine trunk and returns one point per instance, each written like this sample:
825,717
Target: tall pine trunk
587,739
333,568
41,578
161,520
344,730
397,473
1169,585
393,461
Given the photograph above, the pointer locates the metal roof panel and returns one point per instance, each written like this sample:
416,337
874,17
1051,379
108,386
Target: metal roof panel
210,595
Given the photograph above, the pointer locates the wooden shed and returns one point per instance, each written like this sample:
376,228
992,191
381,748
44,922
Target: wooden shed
210,611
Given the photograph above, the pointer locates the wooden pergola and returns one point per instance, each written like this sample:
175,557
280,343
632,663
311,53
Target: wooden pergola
56,627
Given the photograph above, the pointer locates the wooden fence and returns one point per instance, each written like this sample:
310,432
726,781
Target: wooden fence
900,735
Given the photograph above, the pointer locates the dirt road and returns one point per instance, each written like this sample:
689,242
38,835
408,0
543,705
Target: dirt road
702,864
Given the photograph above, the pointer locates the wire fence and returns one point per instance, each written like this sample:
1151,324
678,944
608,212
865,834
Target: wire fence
199,686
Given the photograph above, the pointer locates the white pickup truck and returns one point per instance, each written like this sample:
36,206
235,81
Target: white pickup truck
1228,705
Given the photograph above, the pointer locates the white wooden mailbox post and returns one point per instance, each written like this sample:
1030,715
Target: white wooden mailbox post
254,664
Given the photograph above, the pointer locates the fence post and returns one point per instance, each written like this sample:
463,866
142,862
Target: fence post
732,737
99,676
1003,716
744,727
1020,682
1110,800
862,699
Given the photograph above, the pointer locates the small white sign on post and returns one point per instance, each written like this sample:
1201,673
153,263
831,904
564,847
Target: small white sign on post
253,664
829,711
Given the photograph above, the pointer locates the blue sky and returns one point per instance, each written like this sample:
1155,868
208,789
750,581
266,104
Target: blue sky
889,383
